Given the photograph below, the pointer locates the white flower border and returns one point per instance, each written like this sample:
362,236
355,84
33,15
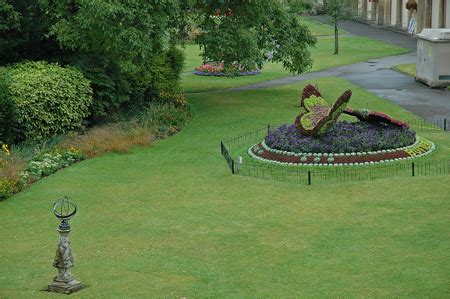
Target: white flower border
266,147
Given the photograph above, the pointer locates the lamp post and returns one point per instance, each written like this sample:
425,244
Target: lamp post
64,282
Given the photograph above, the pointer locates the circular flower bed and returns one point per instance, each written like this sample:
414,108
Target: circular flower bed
217,70
342,137
345,144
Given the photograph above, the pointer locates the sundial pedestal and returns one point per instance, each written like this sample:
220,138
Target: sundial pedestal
64,282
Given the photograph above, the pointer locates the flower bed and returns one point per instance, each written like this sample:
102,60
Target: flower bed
341,137
317,138
263,152
16,174
217,70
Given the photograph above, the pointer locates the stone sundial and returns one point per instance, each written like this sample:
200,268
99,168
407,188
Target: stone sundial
64,282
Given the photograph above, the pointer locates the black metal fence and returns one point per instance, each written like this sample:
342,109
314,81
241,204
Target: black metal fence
342,174
315,175
435,124
227,157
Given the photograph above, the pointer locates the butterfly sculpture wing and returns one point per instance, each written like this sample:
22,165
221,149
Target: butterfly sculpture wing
308,91
316,110
318,116
376,117
336,111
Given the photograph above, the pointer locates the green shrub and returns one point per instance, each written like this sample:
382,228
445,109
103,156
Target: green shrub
116,92
160,75
110,88
50,99
8,116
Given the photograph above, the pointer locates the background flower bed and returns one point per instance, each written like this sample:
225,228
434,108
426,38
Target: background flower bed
211,69
342,137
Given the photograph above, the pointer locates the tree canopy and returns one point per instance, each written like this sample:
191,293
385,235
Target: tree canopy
129,50
245,32
238,32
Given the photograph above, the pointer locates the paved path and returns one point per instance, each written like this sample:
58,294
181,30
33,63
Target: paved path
376,76
355,28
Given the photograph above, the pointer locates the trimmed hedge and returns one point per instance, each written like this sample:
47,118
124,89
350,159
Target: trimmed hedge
49,99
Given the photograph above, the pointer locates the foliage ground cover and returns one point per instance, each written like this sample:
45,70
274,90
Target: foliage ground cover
353,49
171,220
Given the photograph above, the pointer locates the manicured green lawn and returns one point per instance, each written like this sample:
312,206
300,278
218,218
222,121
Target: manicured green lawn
171,221
352,49
408,69
319,29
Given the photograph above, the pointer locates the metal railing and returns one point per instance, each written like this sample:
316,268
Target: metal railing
331,174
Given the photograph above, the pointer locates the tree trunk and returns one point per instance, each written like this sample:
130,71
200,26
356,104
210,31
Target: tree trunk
336,38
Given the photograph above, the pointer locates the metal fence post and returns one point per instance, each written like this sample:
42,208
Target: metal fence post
232,166
239,163
445,124
412,169
309,177
268,129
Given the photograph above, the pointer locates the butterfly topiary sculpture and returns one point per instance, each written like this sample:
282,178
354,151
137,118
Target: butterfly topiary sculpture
319,117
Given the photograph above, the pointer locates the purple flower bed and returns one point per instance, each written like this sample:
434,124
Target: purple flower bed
222,74
342,137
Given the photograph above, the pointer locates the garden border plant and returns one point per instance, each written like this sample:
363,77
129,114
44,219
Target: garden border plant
158,121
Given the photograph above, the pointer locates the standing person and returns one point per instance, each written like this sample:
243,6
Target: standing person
411,6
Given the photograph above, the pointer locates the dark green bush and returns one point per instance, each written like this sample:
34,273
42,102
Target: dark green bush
161,75
8,116
24,26
50,99
110,88
116,93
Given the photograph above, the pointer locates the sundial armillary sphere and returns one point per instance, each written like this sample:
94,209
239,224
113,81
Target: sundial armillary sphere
64,282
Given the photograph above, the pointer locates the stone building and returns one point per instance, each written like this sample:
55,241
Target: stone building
393,13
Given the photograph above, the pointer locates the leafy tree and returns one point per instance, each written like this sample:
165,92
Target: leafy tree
241,34
23,29
129,33
337,10
10,19
129,50
120,46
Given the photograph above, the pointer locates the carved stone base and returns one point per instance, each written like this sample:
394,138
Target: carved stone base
65,287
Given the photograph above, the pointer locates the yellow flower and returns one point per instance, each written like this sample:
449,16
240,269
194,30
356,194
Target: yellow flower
6,149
